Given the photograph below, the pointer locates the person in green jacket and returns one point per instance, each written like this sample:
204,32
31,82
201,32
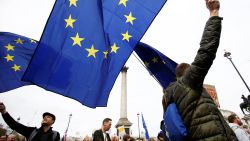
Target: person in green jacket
202,118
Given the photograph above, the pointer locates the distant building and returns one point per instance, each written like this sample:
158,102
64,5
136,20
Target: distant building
212,92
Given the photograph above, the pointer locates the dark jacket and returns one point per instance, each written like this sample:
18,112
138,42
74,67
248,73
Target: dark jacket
201,116
26,131
98,136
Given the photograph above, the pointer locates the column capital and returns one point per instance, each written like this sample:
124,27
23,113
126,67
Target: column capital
124,69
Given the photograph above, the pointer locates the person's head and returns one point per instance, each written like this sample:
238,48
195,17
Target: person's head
114,138
132,139
126,137
106,124
160,136
180,69
11,137
234,119
48,119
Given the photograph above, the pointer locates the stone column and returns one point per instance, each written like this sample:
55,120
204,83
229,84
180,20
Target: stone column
123,108
123,121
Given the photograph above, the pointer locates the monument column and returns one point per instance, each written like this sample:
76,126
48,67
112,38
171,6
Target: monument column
123,121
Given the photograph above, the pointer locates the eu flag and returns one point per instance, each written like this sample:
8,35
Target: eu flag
86,43
159,65
15,54
145,127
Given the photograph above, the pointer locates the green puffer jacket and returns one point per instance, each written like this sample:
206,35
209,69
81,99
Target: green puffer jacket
202,118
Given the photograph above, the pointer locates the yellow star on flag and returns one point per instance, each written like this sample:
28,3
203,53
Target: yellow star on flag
77,40
130,18
69,21
105,54
9,47
72,2
92,51
16,68
155,60
146,64
9,58
19,41
32,41
126,36
114,48
124,2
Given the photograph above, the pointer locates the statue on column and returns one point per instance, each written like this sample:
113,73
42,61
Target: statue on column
245,105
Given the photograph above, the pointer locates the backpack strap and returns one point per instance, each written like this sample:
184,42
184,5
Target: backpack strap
32,135
34,132
54,135
171,94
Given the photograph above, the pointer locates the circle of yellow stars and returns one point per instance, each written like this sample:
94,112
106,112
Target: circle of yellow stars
78,39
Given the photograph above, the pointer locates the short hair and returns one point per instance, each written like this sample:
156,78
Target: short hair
180,69
106,120
160,135
126,137
231,118
132,139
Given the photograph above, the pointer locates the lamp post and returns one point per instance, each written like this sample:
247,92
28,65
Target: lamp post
228,56
138,115
65,135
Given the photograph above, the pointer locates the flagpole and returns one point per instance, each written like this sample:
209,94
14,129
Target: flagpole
65,134
138,125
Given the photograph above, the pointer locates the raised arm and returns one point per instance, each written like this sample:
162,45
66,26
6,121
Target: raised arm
209,44
14,125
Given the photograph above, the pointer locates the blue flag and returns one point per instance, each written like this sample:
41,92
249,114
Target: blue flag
160,66
15,54
86,43
145,127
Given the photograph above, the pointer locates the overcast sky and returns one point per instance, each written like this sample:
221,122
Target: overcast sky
176,32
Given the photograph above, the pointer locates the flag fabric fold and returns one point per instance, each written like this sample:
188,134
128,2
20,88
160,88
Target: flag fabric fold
85,44
158,65
15,54
145,127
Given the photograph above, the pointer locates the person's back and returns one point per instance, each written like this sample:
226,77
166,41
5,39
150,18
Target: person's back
201,116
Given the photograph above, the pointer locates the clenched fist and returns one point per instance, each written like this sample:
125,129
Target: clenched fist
2,108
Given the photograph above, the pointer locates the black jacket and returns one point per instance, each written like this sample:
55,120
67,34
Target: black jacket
98,136
201,116
26,131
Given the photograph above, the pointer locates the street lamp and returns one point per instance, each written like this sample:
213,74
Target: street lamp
228,56
65,135
138,115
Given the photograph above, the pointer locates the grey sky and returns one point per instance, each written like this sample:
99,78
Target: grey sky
176,32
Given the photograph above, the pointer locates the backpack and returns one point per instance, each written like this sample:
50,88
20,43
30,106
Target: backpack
173,122
34,132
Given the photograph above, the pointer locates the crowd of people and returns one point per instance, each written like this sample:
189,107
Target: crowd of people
200,115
